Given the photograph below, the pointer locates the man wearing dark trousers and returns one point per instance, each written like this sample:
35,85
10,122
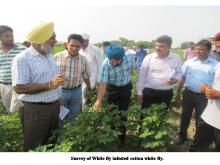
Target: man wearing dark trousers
208,129
196,71
36,78
158,74
115,77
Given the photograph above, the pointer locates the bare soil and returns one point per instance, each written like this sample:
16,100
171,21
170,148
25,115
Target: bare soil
191,132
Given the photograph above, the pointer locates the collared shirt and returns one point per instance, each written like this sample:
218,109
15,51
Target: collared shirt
140,54
215,55
155,72
198,72
29,67
116,75
74,68
212,111
94,57
6,62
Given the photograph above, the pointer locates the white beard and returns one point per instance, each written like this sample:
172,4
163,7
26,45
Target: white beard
47,48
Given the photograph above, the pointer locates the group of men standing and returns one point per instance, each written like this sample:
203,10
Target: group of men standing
42,82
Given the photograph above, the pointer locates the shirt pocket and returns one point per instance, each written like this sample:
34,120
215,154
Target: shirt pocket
40,72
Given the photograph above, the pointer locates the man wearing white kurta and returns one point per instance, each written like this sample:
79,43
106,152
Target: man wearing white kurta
94,58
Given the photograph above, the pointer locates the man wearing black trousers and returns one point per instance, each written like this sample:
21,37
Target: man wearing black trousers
158,74
115,77
208,129
196,71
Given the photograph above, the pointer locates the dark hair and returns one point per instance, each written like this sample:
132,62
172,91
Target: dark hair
75,37
106,43
165,39
205,43
4,28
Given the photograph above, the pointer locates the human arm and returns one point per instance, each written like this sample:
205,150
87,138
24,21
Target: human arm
22,82
176,73
142,75
101,93
88,89
178,91
212,93
103,81
37,88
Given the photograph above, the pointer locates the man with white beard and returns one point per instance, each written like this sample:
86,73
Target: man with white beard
36,78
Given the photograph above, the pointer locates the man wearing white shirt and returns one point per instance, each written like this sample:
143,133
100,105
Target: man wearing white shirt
158,74
94,58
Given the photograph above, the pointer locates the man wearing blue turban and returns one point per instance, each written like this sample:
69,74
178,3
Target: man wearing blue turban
116,74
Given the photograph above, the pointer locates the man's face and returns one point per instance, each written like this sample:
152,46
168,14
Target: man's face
52,41
7,38
217,45
85,44
115,62
161,49
73,47
201,51
48,46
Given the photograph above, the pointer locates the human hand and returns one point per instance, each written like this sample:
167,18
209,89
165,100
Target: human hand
97,105
88,93
139,101
172,81
203,88
212,93
57,81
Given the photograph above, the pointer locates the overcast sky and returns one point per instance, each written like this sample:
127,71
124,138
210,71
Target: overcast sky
111,21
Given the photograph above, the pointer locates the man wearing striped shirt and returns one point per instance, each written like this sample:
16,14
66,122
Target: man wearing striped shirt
36,78
8,50
75,67
115,75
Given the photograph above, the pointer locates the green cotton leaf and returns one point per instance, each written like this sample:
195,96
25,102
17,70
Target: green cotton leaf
152,145
146,134
160,134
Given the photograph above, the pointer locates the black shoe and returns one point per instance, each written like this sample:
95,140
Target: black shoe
180,140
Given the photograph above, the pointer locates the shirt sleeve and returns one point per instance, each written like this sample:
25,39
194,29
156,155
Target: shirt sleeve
104,74
20,72
184,68
142,75
85,72
179,70
98,56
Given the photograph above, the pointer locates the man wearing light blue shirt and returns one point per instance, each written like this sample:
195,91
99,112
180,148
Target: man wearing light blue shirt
116,75
196,71
140,54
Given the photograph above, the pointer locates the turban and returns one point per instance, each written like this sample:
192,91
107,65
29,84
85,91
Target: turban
217,36
115,52
85,36
40,34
